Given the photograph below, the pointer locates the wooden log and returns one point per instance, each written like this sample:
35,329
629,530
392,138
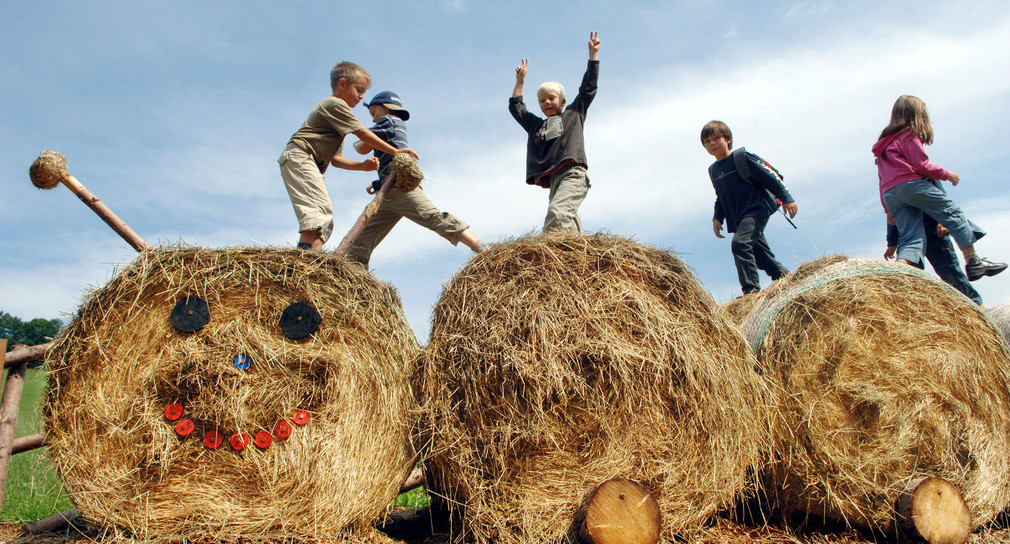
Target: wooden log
9,417
617,511
418,524
414,479
932,510
26,443
27,354
359,226
53,524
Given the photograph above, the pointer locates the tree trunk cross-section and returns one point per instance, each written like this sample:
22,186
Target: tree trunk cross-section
932,510
618,511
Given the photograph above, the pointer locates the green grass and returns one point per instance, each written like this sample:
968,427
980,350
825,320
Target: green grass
415,498
33,491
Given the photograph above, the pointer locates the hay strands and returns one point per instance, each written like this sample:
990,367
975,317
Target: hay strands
50,169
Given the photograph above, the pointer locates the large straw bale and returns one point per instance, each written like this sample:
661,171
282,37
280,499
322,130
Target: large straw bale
120,364
558,361
882,374
1000,315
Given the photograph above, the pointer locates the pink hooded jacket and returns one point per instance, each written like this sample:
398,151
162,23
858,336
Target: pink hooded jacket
901,158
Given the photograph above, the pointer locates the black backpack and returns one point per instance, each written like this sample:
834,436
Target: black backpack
743,169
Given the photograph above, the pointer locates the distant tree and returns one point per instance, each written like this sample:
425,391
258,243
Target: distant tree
36,331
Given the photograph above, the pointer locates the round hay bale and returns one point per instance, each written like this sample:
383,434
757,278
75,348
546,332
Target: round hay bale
738,308
559,361
882,374
235,430
1000,315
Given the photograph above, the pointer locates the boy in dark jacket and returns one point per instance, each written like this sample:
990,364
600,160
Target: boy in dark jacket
555,149
743,204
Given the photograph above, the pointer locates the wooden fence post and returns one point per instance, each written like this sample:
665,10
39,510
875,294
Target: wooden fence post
9,417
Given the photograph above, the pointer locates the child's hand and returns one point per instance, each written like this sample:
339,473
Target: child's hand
891,251
370,165
405,150
791,208
953,178
521,71
594,46
717,228
941,231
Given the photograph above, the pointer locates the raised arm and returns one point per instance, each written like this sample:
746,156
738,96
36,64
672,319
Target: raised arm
520,77
594,46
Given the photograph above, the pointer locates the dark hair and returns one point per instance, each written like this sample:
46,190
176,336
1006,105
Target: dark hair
717,128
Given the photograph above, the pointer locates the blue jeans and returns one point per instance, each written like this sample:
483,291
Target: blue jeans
908,201
751,252
941,256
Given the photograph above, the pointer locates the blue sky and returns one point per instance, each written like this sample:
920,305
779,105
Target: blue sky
174,113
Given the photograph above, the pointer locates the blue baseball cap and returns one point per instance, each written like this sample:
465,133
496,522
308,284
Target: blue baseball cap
391,101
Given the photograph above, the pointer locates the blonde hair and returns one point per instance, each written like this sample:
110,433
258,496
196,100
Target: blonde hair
551,87
909,112
349,71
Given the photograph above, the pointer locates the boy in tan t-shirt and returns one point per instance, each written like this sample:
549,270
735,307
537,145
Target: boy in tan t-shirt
317,144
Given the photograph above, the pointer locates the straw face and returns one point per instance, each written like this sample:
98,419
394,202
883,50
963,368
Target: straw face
559,361
234,429
881,374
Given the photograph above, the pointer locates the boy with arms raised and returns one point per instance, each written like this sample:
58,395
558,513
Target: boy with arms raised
555,148
317,144
740,200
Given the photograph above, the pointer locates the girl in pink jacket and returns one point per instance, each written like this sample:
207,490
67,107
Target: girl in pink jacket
910,186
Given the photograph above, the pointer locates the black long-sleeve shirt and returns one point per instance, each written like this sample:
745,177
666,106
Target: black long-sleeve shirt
545,154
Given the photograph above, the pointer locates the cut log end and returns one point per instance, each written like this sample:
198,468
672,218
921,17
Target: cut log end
48,170
618,511
932,510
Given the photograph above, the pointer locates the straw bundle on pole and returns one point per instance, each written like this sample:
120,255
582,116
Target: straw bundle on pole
882,375
559,361
286,413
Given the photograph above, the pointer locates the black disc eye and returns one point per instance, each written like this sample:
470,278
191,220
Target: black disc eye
300,320
190,314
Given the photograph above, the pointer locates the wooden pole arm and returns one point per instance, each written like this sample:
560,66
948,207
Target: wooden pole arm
27,354
359,226
105,213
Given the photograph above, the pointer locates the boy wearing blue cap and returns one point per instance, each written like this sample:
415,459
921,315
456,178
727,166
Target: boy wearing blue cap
317,144
388,114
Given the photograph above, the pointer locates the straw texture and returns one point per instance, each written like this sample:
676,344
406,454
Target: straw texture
1000,315
558,361
120,364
